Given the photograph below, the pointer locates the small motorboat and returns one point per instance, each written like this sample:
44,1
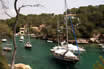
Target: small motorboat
49,41
28,45
4,40
7,48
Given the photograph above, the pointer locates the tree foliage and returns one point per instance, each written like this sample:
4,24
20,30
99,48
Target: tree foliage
99,65
5,30
89,19
3,61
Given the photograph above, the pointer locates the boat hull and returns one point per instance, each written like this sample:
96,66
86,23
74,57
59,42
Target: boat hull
65,59
27,47
7,49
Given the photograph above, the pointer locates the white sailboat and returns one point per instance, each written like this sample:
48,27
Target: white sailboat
28,43
21,38
66,51
63,52
72,47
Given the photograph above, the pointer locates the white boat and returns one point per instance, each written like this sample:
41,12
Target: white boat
21,38
49,41
7,48
75,48
28,45
72,47
66,51
63,54
4,40
16,34
102,46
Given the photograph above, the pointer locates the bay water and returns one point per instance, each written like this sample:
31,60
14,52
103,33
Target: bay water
40,57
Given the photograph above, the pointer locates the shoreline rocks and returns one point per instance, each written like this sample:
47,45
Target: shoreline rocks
21,66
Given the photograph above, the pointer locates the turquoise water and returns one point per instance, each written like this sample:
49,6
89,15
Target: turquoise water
39,56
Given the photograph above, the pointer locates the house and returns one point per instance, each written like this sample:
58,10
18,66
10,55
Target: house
38,29
22,30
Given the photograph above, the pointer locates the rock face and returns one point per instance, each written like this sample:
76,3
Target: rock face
38,29
21,66
97,38
83,41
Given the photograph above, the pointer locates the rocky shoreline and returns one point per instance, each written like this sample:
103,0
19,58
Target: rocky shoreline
79,40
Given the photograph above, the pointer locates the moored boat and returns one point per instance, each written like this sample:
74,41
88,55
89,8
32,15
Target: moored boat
21,38
63,54
28,45
4,40
7,48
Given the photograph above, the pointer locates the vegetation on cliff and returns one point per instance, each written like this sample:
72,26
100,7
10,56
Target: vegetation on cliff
88,20
99,64
3,61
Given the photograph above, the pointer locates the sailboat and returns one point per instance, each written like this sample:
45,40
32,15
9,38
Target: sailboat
63,53
72,47
66,51
28,43
21,38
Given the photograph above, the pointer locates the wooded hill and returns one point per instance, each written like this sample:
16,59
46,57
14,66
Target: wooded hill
91,20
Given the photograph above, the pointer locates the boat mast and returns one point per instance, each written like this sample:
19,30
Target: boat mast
28,32
58,31
66,21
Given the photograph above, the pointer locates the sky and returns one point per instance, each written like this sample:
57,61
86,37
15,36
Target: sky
48,6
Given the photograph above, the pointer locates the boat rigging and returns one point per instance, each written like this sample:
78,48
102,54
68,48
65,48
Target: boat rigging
28,43
66,51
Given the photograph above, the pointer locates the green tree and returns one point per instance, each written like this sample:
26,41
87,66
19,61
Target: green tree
3,61
99,65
